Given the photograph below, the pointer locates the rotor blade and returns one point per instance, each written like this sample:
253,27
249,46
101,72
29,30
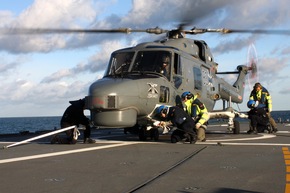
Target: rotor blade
226,31
19,31
258,31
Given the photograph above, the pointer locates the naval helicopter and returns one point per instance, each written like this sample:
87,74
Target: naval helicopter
135,82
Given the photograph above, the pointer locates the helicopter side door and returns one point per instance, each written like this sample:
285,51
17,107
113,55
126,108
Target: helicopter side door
191,74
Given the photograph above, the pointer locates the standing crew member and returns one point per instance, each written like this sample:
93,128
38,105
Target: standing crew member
181,120
74,115
261,94
198,111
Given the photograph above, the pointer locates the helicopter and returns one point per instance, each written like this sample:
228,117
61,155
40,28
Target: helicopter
136,82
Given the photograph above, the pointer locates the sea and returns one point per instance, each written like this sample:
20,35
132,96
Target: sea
16,125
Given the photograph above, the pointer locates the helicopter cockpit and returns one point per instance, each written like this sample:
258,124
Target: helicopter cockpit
153,61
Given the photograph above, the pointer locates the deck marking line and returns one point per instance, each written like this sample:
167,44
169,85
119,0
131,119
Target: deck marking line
264,136
64,152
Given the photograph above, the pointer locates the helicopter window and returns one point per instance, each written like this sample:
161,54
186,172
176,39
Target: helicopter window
201,52
153,61
120,63
164,94
197,78
177,77
177,65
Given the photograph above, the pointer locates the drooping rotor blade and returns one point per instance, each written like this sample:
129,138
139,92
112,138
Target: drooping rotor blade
19,31
226,31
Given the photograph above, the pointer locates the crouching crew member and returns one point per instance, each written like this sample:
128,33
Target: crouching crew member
74,115
257,116
180,119
198,111
261,94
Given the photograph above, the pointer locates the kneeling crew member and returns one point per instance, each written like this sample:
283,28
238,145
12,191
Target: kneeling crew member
198,111
180,119
261,94
74,115
257,116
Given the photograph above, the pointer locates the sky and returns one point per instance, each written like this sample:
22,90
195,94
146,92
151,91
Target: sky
39,74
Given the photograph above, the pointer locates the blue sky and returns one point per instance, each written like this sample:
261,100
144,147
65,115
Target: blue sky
39,74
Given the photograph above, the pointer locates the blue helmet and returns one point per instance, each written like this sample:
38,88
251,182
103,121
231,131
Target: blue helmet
162,109
251,104
187,95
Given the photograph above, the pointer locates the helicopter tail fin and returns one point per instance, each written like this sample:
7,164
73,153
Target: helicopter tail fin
240,82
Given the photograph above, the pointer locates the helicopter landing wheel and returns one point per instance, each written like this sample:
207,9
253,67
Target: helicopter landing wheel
154,134
236,129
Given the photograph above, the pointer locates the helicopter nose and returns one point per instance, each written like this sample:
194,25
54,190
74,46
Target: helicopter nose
111,103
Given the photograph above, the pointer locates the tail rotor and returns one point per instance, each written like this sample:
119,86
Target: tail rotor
252,63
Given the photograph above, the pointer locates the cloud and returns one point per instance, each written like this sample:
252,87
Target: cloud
46,14
66,13
8,66
95,63
285,51
269,68
82,14
226,46
25,91
4,67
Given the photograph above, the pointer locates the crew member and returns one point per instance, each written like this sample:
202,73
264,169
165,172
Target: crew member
261,94
198,111
74,115
165,66
180,119
257,116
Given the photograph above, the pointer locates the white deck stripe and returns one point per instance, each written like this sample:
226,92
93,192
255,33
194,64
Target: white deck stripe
63,152
264,136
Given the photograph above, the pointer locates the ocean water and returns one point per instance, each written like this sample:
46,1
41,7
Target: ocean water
28,124
39,124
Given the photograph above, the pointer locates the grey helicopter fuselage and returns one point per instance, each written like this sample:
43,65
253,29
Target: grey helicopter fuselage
134,82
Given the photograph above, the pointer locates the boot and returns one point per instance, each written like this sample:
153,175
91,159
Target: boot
255,131
193,139
252,130
201,134
89,140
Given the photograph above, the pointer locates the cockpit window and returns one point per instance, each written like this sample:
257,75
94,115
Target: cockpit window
120,63
145,61
153,61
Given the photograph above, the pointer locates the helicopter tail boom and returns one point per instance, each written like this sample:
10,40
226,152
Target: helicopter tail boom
236,91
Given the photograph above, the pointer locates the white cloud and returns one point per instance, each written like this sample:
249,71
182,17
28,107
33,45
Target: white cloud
96,63
54,14
46,14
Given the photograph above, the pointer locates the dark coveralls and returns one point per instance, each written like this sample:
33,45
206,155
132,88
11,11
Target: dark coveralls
258,116
265,101
74,115
183,122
